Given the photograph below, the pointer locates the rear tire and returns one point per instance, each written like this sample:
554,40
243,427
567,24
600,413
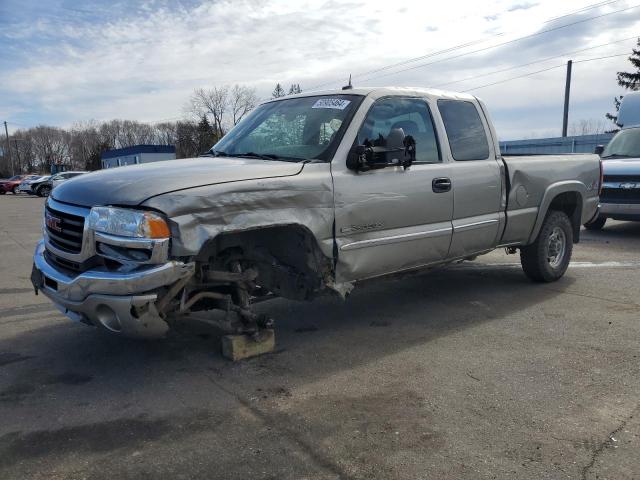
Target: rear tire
597,224
43,191
548,257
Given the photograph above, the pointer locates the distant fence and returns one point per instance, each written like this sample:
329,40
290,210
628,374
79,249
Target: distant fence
576,144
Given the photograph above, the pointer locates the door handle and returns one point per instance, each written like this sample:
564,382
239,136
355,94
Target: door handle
441,185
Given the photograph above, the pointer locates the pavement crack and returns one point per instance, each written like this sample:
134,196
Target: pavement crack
10,237
594,297
607,443
310,450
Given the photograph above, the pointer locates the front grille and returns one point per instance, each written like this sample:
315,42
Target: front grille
620,195
64,230
622,178
63,263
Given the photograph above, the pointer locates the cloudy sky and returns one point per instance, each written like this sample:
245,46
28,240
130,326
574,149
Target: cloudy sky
63,61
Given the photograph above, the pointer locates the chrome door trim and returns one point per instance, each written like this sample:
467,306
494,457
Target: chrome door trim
374,242
474,225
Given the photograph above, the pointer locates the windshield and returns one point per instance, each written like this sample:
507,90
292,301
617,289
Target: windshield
294,129
625,144
16,177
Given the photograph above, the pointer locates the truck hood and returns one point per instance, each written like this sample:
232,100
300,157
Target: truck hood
134,184
621,166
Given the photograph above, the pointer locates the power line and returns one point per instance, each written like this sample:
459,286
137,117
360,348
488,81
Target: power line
501,44
541,71
456,47
415,59
18,124
601,58
584,9
462,45
532,63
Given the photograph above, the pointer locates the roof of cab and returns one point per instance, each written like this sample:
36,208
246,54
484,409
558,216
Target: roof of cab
378,92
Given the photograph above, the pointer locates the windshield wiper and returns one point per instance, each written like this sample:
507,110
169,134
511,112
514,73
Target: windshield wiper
262,156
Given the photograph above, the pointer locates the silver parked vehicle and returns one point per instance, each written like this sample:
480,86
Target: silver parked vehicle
309,194
62,177
25,186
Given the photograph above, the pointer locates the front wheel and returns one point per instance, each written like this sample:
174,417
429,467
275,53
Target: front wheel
44,191
546,259
14,190
597,224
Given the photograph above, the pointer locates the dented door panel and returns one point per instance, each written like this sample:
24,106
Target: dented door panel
390,219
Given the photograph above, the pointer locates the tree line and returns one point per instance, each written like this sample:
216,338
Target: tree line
628,81
208,115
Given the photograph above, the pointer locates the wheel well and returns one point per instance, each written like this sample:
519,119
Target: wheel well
287,257
571,204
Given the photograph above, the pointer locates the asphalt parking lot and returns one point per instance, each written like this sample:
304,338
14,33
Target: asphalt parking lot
470,372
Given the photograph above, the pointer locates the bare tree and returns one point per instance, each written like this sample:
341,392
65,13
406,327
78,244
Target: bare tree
242,100
213,103
110,132
50,146
166,133
22,148
588,127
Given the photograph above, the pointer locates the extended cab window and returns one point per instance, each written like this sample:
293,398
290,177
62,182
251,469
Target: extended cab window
412,115
467,136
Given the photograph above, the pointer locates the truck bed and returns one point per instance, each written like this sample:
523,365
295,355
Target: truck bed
529,177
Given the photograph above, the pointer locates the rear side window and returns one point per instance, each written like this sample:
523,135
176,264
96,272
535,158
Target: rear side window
467,136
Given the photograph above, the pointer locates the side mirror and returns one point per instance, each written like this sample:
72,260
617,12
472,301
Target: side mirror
599,149
397,150
356,157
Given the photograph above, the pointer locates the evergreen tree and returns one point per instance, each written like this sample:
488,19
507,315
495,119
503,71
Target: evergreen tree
206,135
628,80
294,89
278,91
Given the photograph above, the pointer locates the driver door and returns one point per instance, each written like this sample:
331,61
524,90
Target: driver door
391,219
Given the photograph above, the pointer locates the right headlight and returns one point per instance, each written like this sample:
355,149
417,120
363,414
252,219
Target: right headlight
128,223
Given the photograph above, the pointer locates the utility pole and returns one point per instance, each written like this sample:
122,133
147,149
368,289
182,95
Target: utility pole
17,152
6,132
567,91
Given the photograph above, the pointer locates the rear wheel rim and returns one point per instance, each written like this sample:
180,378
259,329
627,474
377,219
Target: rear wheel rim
556,247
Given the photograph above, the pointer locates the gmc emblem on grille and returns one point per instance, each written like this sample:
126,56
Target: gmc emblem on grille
52,222
627,186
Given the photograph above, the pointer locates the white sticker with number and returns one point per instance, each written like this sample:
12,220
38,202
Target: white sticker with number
336,103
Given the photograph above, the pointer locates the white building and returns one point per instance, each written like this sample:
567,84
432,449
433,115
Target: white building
137,154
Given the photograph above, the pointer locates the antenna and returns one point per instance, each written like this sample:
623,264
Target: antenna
348,87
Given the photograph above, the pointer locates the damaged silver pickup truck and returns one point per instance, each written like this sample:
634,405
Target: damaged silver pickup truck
309,194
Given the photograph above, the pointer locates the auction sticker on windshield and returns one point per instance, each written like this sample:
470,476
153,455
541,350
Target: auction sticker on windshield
336,103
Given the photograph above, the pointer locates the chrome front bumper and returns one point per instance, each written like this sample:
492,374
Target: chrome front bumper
120,302
619,209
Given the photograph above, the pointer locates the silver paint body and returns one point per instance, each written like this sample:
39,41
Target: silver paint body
386,220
